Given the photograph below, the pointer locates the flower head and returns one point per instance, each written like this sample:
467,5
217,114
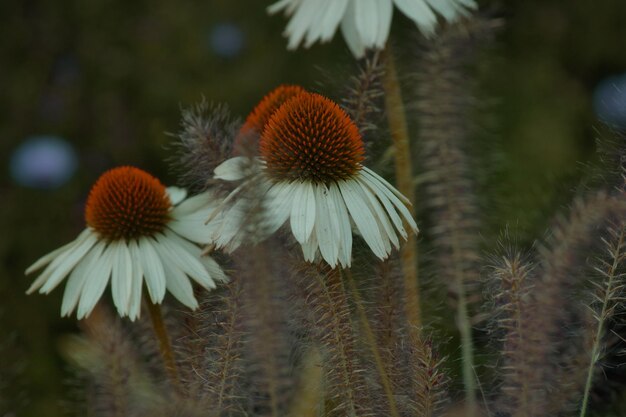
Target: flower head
311,138
136,230
260,115
311,173
248,137
364,23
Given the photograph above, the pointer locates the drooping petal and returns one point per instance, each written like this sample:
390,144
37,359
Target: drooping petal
231,221
282,5
64,264
345,230
152,269
46,259
121,277
279,201
303,212
331,13
389,208
419,12
233,169
302,20
326,226
363,218
382,217
134,304
310,247
177,282
189,218
176,194
183,259
78,277
96,283
216,272
392,194
350,32
385,13
366,18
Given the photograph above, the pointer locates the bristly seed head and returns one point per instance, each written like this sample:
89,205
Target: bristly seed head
127,203
311,138
259,117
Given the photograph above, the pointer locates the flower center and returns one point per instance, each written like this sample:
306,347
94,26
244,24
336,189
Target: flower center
261,114
311,138
127,203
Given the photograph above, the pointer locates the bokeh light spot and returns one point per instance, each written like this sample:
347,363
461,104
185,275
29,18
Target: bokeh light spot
44,162
226,40
609,101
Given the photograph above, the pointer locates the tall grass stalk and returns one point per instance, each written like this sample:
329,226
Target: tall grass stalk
396,116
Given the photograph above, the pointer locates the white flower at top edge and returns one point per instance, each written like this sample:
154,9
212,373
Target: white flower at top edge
365,24
310,173
137,231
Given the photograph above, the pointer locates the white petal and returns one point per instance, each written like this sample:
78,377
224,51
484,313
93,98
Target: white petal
55,257
385,13
121,277
64,264
446,8
233,169
176,194
78,277
43,277
46,259
302,21
303,212
214,268
350,33
420,13
134,308
231,223
279,201
152,269
177,282
451,10
388,190
366,18
363,218
380,214
281,5
469,5
387,185
309,248
382,197
326,226
331,13
345,230
193,204
189,218
96,283
181,258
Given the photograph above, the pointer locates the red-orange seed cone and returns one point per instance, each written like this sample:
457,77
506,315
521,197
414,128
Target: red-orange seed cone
127,203
311,138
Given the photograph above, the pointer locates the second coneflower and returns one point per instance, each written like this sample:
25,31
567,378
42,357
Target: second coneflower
137,231
311,170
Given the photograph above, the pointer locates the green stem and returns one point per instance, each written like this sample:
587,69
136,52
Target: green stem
165,347
467,352
396,116
371,341
595,350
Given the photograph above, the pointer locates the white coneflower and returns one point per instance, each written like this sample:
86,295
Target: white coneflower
311,174
137,230
364,23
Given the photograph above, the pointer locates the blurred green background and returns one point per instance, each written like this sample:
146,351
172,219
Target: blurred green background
109,77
